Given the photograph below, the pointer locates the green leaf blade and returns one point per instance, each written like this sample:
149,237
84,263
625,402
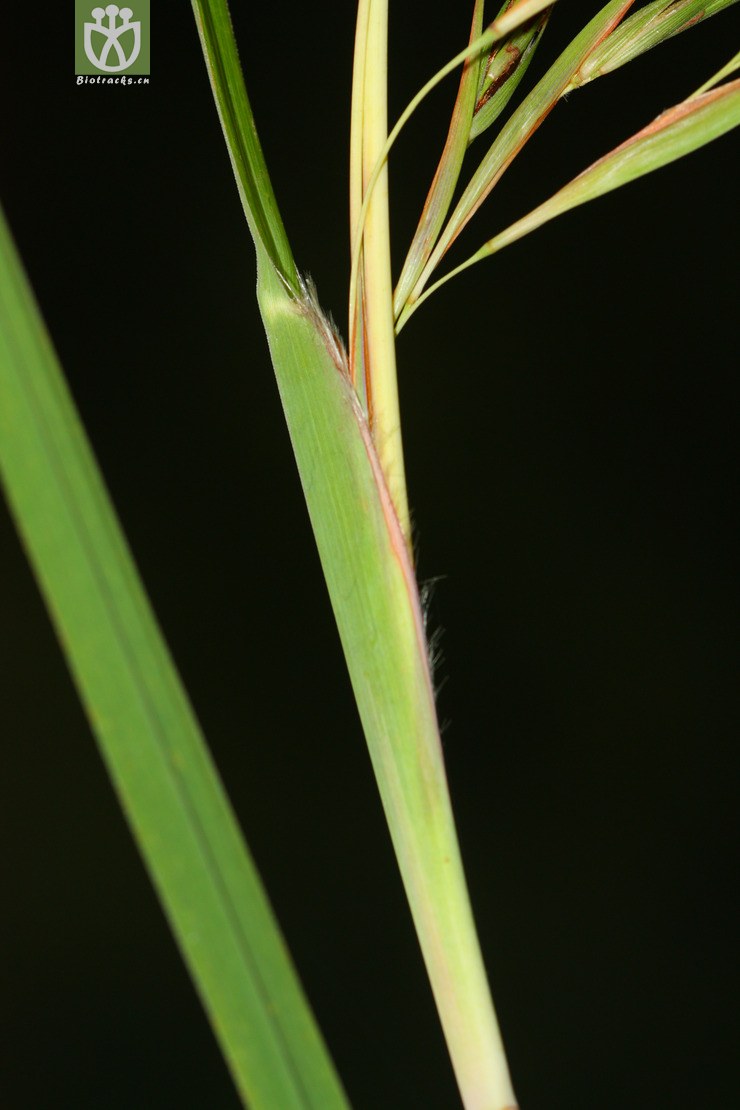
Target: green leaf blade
145,727
247,160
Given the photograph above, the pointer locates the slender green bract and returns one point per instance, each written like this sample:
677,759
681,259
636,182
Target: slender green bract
506,23
445,179
516,132
494,90
699,120
145,727
674,134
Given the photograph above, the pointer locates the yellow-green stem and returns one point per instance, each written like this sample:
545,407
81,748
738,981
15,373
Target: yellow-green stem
356,128
381,380
355,327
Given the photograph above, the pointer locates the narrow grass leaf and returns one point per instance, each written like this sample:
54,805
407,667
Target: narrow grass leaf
645,29
519,129
677,132
145,727
242,141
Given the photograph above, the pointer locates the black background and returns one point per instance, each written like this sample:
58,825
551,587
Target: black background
570,428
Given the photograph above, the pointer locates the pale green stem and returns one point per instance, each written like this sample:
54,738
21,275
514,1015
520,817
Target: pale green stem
406,753
355,329
370,228
381,379
356,125
358,225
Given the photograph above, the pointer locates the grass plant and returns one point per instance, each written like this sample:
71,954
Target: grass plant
342,411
